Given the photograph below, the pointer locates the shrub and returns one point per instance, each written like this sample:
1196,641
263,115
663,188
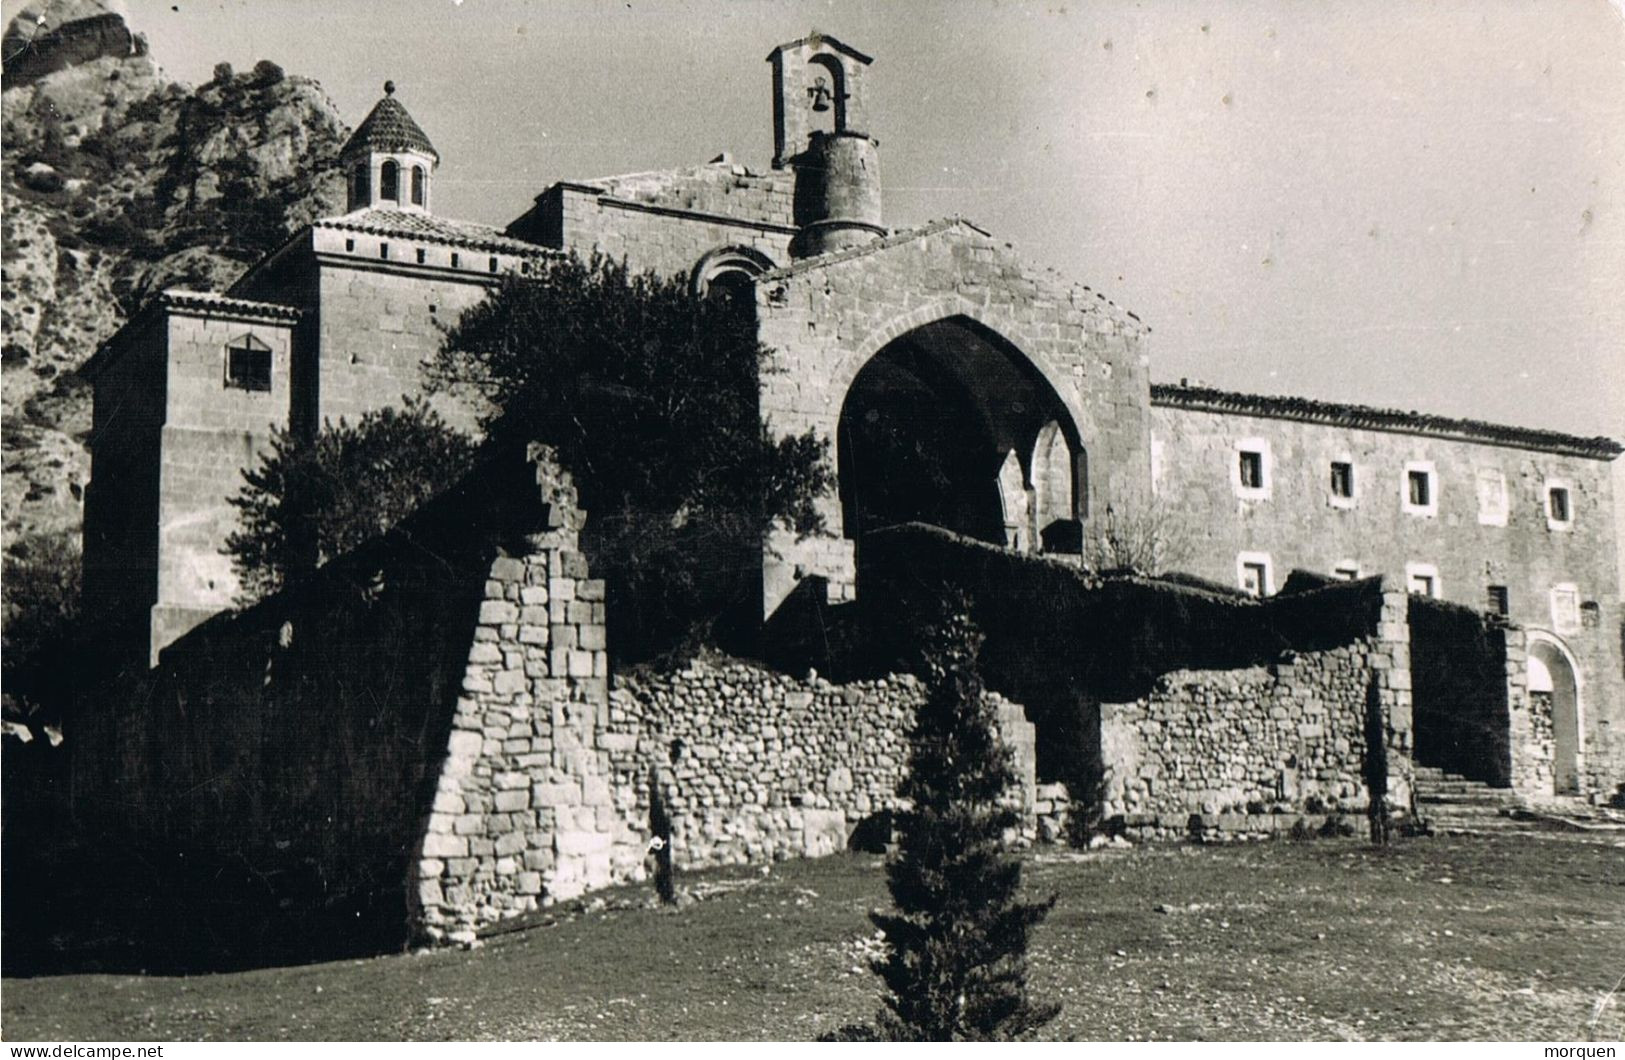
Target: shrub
310,499
649,395
42,577
268,73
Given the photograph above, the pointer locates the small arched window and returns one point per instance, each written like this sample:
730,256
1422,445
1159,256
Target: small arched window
420,182
363,186
389,182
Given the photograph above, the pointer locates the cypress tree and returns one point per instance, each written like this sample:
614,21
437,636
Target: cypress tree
957,965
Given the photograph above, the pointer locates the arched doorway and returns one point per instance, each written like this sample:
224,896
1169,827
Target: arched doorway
1554,689
950,424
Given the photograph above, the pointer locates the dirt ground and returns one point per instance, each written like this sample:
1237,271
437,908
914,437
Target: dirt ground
1467,938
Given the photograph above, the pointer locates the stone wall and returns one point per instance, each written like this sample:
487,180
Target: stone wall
1251,750
667,221
1297,523
380,324
1529,722
546,790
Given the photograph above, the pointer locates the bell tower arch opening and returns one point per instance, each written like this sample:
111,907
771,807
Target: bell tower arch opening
950,424
1554,683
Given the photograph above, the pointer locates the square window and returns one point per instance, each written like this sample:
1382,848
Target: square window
1590,614
1420,489
493,264
422,254
1557,504
1422,579
1253,573
1342,479
1251,469
248,364
456,259
1496,600
349,246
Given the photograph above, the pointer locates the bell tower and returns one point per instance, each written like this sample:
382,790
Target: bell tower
817,86
388,161
820,123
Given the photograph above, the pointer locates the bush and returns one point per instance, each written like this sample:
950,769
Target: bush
309,500
649,395
268,73
42,578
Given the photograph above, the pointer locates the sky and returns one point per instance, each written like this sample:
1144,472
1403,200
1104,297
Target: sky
1411,205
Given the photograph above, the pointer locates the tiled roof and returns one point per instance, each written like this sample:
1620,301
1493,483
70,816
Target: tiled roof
411,225
179,299
390,128
211,302
1208,399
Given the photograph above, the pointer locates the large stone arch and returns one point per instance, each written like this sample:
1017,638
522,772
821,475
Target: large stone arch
851,361
1554,672
945,420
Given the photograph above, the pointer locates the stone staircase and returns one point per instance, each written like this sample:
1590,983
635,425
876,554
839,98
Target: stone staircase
1453,804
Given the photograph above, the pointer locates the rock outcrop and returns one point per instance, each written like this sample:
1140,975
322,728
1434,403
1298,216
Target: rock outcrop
118,182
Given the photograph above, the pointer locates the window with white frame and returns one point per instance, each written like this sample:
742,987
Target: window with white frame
1559,505
1566,607
1419,488
1250,469
1255,574
1492,496
1422,579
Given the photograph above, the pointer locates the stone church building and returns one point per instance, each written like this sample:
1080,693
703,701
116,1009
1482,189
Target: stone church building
1038,388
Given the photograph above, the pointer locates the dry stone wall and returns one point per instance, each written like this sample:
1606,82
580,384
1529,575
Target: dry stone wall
546,790
1249,750
755,765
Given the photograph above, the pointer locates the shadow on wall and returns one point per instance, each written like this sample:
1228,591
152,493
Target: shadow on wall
259,797
1458,669
1062,641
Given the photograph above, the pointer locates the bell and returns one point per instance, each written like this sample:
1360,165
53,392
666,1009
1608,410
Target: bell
820,95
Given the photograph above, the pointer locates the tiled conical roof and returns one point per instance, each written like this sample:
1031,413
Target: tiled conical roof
390,128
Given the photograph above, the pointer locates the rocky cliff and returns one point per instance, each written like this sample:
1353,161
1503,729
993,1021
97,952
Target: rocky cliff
118,182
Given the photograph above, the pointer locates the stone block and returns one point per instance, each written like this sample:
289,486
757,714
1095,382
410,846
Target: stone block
437,845
580,843
507,569
485,652
509,801
555,795
498,612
